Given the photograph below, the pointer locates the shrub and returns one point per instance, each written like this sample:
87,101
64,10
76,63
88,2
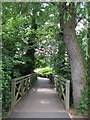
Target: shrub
83,108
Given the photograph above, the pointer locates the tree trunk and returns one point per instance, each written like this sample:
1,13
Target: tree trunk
76,60
88,7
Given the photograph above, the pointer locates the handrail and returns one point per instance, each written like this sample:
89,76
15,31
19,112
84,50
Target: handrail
62,86
20,87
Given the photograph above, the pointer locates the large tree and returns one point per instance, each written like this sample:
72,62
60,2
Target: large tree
68,23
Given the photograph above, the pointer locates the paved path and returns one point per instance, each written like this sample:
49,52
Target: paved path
40,102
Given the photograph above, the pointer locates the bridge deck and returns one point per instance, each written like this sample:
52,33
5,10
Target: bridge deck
40,102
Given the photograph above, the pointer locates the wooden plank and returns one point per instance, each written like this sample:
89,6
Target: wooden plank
24,82
13,100
67,94
18,100
26,86
63,83
62,87
23,77
18,93
64,96
22,85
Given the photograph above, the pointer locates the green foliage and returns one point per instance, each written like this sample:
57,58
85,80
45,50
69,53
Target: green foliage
6,84
6,99
61,60
19,39
44,71
30,26
83,108
41,61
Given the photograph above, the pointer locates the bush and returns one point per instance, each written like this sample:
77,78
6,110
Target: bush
83,108
7,66
44,72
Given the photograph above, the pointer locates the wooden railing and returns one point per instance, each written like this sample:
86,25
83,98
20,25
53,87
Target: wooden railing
20,86
62,86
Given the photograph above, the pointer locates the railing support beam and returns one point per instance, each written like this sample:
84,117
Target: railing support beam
20,86
67,94
62,86
13,101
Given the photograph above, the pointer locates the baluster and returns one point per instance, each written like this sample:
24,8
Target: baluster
67,94
27,84
13,99
22,87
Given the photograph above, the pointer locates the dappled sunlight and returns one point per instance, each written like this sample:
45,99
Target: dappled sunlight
45,90
44,101
45,57
33,89
45,79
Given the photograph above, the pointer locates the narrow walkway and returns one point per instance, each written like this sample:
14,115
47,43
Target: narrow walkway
40,102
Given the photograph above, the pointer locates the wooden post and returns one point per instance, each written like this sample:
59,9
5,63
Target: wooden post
13,100
22,87
27,84
67,94
31,77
